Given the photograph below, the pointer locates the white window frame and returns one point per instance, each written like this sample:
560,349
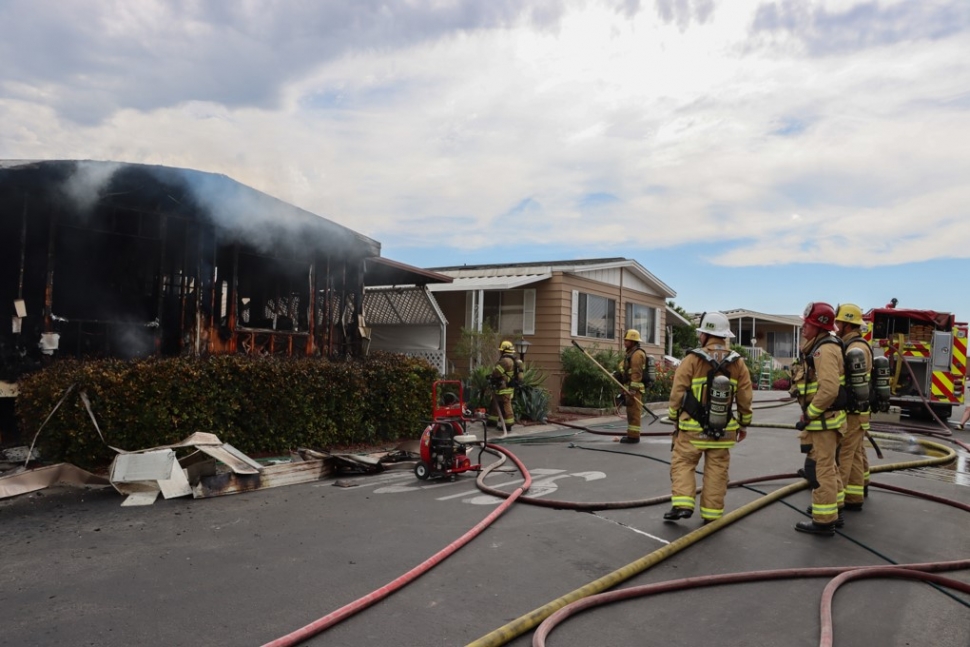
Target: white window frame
575,330
474,310
651,336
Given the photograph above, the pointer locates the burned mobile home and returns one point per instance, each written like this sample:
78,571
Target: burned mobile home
103,259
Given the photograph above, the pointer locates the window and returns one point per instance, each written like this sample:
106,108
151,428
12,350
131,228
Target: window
644,320
508,312
780,344
593,316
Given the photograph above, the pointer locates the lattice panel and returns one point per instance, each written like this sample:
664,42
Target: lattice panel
435,358
391,307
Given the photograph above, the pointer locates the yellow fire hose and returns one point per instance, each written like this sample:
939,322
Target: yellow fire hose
532,619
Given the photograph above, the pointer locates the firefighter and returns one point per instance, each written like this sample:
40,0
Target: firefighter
853,463
706,383
633,375
817,382
506,377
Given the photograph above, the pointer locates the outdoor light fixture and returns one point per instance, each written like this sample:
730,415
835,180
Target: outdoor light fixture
523,347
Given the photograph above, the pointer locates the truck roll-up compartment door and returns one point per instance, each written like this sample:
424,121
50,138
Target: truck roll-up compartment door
942,350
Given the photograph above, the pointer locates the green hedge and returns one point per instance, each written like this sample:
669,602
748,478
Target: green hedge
259,405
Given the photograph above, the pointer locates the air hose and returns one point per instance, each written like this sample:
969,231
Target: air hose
348,610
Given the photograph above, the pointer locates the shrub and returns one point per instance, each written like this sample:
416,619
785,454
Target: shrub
585,384
659,391
531,401
259,405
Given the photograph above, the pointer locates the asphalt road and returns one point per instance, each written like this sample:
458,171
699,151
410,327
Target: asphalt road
78,569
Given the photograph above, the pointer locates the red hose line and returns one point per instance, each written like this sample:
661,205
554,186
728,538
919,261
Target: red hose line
924,495
545,628
828,631
362,603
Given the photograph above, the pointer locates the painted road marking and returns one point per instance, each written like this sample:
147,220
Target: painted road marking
401,482
639,532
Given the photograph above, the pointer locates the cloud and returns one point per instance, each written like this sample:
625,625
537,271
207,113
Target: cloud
581,124
683,12
861,25
93,58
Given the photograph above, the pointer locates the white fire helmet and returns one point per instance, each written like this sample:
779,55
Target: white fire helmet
716,325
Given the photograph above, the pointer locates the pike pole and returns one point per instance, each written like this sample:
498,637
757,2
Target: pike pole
636,396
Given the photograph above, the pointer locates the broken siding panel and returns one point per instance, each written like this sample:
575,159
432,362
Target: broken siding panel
268,477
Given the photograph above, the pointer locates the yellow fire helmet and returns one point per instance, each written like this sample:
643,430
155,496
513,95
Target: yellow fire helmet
632,335
849,313
506,347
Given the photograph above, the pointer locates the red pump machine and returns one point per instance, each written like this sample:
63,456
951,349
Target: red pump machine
445,442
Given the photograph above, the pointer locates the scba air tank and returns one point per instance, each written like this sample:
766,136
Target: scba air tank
881,377
720,402
858,376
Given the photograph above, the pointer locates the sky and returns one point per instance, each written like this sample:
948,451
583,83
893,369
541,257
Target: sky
754,154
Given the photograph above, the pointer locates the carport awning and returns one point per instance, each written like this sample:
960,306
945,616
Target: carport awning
401,307
674,318
489,283
380,271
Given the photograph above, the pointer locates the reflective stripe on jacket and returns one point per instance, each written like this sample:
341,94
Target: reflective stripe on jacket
819,388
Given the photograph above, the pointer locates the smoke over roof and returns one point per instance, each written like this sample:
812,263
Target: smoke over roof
238,213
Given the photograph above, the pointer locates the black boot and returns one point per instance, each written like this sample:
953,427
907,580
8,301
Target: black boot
630,440
853,507
838,522
824,529
678,513
865,491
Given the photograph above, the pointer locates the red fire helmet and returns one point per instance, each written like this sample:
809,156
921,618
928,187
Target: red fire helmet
820,314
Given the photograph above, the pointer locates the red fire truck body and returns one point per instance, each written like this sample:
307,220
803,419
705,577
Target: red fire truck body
927,351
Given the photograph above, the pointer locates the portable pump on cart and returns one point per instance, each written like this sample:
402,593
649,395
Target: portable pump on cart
445,442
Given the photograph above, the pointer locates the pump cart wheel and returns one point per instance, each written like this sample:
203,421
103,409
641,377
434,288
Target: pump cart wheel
422,471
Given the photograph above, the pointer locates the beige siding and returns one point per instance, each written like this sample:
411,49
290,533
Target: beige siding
552,320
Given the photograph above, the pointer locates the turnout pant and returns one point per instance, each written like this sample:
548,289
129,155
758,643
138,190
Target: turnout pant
502,408
853,464
634,411
684,459
821,448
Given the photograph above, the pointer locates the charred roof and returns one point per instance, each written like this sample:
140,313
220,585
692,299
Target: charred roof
237,213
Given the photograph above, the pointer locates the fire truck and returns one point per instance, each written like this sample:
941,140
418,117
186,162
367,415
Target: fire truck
927,352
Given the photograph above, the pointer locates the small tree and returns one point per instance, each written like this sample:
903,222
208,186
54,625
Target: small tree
478,347
685,337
